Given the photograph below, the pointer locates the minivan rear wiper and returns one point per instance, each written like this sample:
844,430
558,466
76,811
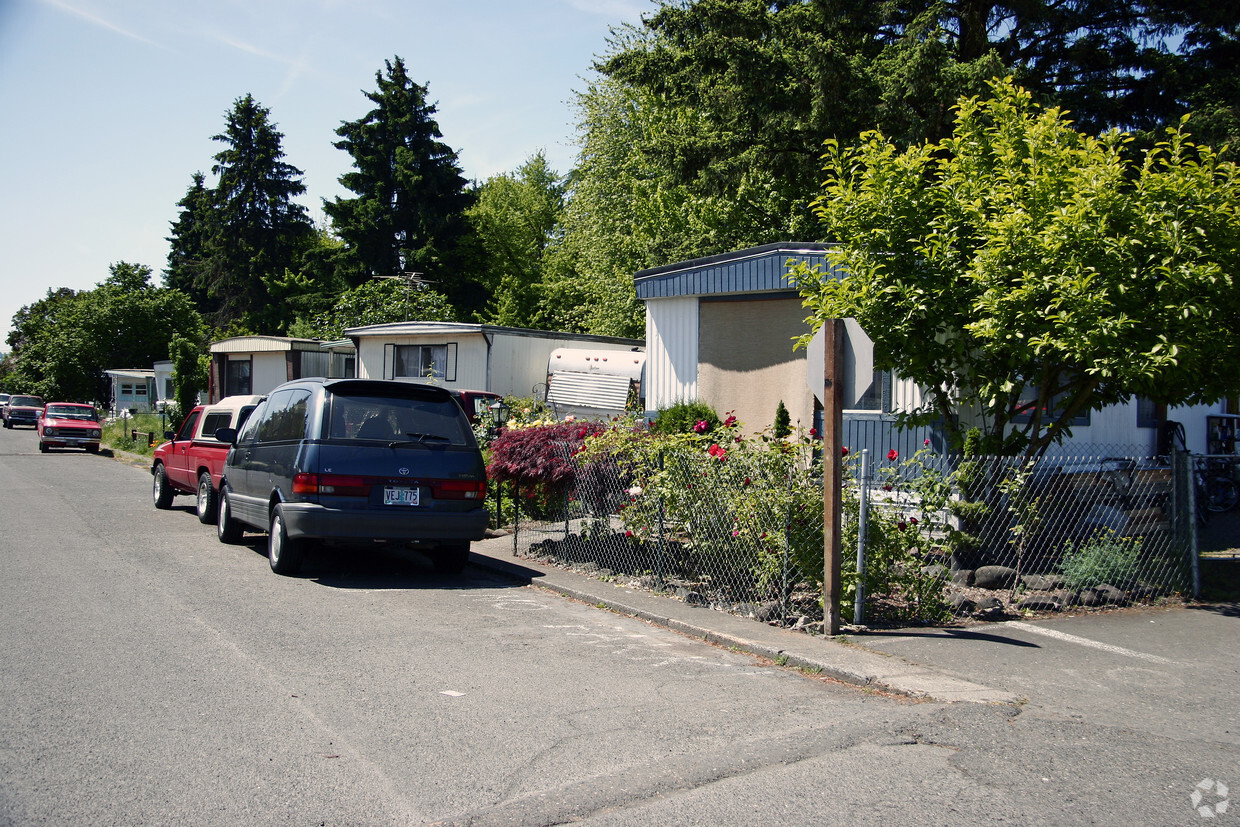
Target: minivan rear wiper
418,439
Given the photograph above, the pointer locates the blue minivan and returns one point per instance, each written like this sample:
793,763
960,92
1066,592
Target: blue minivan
355,461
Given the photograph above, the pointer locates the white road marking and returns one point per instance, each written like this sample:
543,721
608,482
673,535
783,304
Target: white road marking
1084,641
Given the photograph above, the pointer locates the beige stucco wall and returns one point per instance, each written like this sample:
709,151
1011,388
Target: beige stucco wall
747,363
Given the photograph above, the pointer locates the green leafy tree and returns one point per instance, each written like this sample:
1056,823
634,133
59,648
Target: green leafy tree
408,213
515,219
376,302
704,131
191,366
1022,272
611,226
63,344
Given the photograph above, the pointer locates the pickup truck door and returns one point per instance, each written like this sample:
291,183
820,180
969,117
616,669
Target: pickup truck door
176,465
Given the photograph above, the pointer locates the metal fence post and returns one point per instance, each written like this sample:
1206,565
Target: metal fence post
863,508
1189,476
659,546
516,515
785,587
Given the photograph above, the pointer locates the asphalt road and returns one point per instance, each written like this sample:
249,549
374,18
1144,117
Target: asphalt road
151,675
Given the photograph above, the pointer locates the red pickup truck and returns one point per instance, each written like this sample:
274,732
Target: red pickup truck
191,460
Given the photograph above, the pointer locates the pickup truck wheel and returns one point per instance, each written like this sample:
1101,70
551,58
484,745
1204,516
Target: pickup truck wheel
206,499
42,447
283,552
227,529
161,491
450,558
92,449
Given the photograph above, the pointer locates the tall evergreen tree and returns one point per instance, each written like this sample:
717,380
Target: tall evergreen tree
259,232
190,247
408,213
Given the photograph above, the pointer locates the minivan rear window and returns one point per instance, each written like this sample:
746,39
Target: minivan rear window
386,418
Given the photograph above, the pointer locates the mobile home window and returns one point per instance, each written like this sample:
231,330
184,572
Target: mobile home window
237,378
425,362
1029,399
877,397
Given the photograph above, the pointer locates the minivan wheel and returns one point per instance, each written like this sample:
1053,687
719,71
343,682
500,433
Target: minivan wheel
283,552
451,558
161,491
227,529
206,499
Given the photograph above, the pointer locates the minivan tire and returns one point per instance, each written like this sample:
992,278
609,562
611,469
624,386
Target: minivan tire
206,500
161,491
451,558
283,552
227,529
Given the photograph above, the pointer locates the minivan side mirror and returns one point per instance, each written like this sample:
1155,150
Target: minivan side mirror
228,435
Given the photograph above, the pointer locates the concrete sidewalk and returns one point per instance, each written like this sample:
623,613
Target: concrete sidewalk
831,657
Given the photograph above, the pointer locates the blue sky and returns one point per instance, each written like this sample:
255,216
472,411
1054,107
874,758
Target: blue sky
109,105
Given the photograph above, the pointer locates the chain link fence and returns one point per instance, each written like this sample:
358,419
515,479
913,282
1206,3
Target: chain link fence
936,538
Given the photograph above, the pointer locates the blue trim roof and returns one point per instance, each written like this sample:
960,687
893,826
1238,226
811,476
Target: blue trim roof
752,270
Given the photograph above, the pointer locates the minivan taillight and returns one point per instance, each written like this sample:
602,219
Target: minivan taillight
459,489
338,485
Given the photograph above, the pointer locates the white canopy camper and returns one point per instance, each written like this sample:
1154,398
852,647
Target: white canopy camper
594,383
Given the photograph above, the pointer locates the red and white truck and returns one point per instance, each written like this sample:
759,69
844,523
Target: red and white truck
191,460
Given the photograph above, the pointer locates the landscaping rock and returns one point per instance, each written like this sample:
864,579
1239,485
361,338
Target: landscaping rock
1042,582
692,598
768,611
1090,597
1111,596
994,577
963,577
961,604
1067,597
1039,603
988,603
936,571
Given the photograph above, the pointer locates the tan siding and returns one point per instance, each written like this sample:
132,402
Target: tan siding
748,363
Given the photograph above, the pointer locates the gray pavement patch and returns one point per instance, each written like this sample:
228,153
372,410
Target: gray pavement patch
831,658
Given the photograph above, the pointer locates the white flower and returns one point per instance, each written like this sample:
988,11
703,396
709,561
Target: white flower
635,491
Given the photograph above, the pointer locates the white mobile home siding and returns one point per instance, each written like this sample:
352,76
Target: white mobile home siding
671,351
268,371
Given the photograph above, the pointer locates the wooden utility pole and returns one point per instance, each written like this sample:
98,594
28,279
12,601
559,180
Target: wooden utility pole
832,470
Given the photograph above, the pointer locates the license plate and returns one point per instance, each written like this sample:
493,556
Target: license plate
400,496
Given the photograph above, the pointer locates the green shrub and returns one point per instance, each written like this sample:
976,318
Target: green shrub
685,418
1104,558
783,422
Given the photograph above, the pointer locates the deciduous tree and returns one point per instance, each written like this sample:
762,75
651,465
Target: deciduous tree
1022,270
515,219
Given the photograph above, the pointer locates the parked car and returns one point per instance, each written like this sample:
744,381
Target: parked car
69,425
192,459
355,461
477,404
4,403
23,409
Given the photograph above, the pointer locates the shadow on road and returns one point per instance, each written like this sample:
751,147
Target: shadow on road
947,634
384,567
